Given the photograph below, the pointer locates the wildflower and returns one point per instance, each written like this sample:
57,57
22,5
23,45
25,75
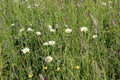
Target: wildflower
52,30
48,59
56,26
45,67
21,29
30,24
30,75
77,67
66,18
84,29
58,69
49,26
46,43
104,41
36,5
12,24
104,4
94,36
38,33
30,29
68,30
51,42
25,50
46,78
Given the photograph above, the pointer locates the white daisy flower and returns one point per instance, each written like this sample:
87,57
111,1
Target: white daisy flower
52,30
51,42
22,29
104,4
46,43
30,24
30,29
12,24
68,30
49,26
25,50
94,36
36,5
38,33
48,59
84,29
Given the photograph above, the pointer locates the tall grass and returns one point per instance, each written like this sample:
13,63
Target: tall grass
76,55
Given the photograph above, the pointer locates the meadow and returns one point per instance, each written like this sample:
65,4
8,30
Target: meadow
59,40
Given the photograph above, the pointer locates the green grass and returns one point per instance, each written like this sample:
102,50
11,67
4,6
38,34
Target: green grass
98,59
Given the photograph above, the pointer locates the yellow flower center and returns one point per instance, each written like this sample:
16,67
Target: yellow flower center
58,69
77,67
25,51
49,59
45,68
30,75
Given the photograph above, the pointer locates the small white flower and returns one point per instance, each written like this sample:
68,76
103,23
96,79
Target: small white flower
46,43
29,29
104,4
30,24
36,5
52,30
48,59
51,42
38,33
22,29
94,36
12,24
49,26
25,50
68,30
84,29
